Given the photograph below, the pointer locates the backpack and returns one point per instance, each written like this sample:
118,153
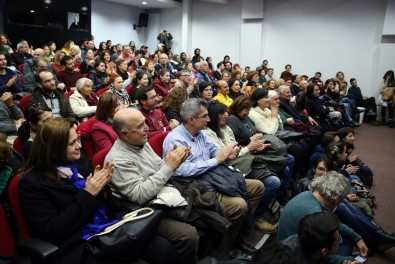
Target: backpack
363,193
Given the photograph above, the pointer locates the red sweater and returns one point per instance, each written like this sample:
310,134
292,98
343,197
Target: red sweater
156,121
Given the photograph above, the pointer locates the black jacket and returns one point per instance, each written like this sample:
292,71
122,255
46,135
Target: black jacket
65,108
55,211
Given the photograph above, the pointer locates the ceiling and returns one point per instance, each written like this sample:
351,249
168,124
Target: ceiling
159,4
151,4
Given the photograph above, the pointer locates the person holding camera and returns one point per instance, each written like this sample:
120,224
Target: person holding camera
165,38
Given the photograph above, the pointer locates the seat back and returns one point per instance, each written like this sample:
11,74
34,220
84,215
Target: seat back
102,91
7,241
20,68
68,94
17,145
99,157
84,130
23,102
13,195
156,142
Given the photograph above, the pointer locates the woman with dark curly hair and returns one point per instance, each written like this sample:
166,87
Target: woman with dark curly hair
172,103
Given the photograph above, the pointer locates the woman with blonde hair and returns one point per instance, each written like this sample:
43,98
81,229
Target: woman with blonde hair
67,46
55,65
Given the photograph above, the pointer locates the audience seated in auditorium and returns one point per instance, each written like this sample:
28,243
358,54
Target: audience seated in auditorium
202,74
22,54
35,117
46,93
162,84
316,110
28,65
234,88
10,81
140,174
83,101
221,136
354,93
69,76
223,93
172,104
186,82
102,133
98,76
116,87
54,190
165,65
252,84
325,195
154,117
11,117
315,240
55,65
205,158
88,63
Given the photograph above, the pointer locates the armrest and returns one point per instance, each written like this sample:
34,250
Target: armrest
37,247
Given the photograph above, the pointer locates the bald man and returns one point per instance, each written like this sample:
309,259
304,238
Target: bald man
28,65
140,174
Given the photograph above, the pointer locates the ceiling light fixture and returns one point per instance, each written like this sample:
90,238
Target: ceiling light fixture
32,11
144,3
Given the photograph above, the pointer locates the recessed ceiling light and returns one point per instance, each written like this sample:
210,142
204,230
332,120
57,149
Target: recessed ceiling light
144,3
32,11
47,1
84,8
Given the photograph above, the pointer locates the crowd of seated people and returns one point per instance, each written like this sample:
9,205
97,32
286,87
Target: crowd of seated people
217,117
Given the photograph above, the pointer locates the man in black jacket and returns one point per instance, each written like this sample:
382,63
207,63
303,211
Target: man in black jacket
46,93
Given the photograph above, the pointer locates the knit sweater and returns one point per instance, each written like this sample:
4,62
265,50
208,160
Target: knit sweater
264,122
139,173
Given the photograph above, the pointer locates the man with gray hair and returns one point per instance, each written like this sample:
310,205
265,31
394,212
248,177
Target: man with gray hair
139,175
205,157
185,81
21,55
326,194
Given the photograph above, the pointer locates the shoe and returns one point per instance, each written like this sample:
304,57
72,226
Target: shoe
371,113
245,247
384,241
391,123
283,200
240,254
265,226
357,111
352,124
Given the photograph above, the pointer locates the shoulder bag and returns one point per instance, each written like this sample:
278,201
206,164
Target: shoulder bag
126,239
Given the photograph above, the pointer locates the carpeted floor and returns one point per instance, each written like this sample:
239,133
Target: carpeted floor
376,147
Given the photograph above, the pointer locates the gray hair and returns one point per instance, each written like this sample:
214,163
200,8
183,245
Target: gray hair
191,108
119,124
81,83
332,186
20,44
282,88
272,94
39,59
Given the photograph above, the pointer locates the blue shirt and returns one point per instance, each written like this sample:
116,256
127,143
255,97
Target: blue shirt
201,158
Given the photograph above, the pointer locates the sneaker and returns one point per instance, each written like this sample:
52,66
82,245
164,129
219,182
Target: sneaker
265,226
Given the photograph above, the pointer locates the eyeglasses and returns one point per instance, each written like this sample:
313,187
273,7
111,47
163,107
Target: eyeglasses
72,143
205,116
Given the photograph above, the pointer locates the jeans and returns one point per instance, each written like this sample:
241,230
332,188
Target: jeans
272,184
356,220
287,174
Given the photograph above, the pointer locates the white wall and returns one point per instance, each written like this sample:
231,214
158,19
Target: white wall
312,35
115,22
